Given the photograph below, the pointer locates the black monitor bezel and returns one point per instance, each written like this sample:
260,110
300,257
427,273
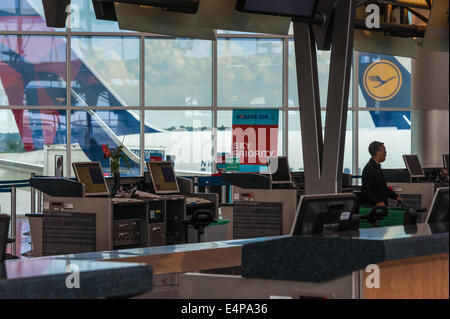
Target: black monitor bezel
405,159
167,192
271,174
164,5
445,162
299,219
438,193
241,4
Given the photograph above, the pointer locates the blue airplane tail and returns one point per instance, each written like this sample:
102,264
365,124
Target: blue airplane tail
385,83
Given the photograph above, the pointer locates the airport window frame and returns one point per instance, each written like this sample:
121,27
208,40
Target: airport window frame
354,106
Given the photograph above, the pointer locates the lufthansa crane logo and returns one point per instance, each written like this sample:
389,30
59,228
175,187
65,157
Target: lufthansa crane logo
382,80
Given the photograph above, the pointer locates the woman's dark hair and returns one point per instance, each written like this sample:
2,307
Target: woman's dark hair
374,147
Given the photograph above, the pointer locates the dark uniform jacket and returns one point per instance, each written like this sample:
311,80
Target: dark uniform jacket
374,187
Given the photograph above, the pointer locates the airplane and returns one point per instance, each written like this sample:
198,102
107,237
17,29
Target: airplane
384,83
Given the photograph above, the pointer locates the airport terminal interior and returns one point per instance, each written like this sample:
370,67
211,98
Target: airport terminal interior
159,149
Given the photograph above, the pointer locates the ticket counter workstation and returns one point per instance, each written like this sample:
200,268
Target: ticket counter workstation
263,204
422,184
328,257
81,216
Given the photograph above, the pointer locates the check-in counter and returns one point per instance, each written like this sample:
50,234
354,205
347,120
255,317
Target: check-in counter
254,212
415,194
50,278
410,262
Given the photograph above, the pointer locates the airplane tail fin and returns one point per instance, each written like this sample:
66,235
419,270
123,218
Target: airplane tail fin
385,83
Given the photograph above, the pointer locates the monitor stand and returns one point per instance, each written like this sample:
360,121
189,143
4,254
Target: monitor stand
415,180
287,185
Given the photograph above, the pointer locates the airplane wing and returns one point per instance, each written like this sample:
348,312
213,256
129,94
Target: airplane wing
28,167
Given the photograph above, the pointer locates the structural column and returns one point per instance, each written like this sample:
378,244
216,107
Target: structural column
430,107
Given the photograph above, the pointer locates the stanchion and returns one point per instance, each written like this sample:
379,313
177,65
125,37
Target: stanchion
39,208
33,210
223,197
13,219
33,203
33,197
195,184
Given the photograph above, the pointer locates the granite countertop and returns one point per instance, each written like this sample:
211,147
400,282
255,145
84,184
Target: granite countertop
303,258
159,250
319,258
46,278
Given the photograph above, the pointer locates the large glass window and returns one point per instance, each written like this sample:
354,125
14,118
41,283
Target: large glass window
105,71
295,142
92,129
23,15
250,72
323,63
178,72
30,141
391,128
32,70
186,86
323,69
185,135
85,21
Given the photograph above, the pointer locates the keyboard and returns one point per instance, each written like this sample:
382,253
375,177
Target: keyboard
146,195
117,200
197,200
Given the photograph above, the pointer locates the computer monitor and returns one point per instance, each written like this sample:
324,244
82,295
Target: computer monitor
91,175
413,165
279,170
163,177
445,160
4,227
290,8
327,212
439,207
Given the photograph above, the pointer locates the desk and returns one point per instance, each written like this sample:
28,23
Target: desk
287,197
415,194
88,224
417,256
216,231
413,263
46,278
174,258
99,224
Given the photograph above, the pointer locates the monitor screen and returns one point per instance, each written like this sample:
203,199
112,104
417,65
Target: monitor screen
291,8
439,207
91,175
445,160
279,170
329,212
413,165
163,177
